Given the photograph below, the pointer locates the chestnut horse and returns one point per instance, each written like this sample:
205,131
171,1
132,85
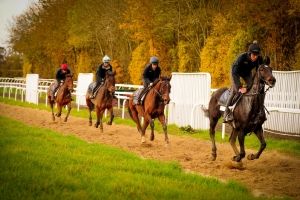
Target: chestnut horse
103,100
248,113
153,107
63,97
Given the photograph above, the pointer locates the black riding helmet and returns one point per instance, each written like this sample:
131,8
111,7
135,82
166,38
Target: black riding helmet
254,48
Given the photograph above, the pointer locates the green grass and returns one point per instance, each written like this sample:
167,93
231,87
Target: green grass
42,164
283,146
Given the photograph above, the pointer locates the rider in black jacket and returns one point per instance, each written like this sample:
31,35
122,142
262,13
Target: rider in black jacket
242,67
150,74
100,74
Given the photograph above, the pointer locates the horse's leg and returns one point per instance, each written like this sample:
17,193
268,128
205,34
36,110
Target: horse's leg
162,120
135,117
152,130
241,137
98,116
212,125
259,132
145,125
111,111
100,120
90,105
232,141
69,110
51,106
59,109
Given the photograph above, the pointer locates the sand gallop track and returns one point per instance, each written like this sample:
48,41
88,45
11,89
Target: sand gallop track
273,174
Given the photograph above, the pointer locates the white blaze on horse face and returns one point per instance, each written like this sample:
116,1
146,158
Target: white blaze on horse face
266,66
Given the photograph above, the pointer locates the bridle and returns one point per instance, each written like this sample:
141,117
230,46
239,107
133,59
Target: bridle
160,93
260,78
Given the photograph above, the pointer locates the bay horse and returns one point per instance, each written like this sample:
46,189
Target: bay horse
63,97
103,100
153,107
249,114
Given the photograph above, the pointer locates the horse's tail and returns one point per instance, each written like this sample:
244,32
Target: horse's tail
205,110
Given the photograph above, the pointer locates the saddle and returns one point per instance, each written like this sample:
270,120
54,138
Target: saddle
94,88
138,93
223,99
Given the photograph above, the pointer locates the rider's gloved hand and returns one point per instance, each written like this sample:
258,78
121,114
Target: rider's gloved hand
242,90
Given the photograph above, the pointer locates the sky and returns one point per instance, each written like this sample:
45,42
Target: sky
8,9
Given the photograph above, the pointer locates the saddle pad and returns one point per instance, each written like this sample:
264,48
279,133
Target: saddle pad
224,97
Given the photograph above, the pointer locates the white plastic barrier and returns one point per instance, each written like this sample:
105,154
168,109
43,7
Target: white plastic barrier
189,92
283,102
84,80
32,81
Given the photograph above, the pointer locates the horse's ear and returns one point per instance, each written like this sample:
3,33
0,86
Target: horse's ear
114,73
160,77
266,60
170,77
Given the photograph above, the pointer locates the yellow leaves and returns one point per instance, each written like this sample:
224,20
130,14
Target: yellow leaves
138,63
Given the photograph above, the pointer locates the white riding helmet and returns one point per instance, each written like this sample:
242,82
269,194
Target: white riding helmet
106,59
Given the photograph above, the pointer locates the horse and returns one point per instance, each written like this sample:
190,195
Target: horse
103,100
153,107
248,113
63,97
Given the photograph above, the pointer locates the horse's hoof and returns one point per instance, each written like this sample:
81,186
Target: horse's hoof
109,123
101,130
212,158
65,120
236,158
96,125
167,145
251,157
143,140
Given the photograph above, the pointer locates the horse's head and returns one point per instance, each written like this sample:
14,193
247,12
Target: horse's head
110,81
69,82
265,73
165,88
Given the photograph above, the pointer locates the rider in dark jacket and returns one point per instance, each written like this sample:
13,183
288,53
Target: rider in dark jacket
150,74
100,74
242,67
59,79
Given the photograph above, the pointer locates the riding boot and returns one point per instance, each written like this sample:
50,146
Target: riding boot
92,96
227,117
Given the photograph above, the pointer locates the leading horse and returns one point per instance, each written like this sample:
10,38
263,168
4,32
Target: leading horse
249,114
103,100
153,107
63,97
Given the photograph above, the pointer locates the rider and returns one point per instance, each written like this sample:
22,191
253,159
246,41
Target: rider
59,79
150,74
242,67
100,74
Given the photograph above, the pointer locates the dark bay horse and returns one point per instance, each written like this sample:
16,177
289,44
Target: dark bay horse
249,114
103,100
63,97
153,107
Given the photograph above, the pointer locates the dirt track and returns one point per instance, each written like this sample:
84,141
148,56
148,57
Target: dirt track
273,174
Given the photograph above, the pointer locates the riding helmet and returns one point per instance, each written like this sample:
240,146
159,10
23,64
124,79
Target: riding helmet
64,66
154,59
106,59
254,48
